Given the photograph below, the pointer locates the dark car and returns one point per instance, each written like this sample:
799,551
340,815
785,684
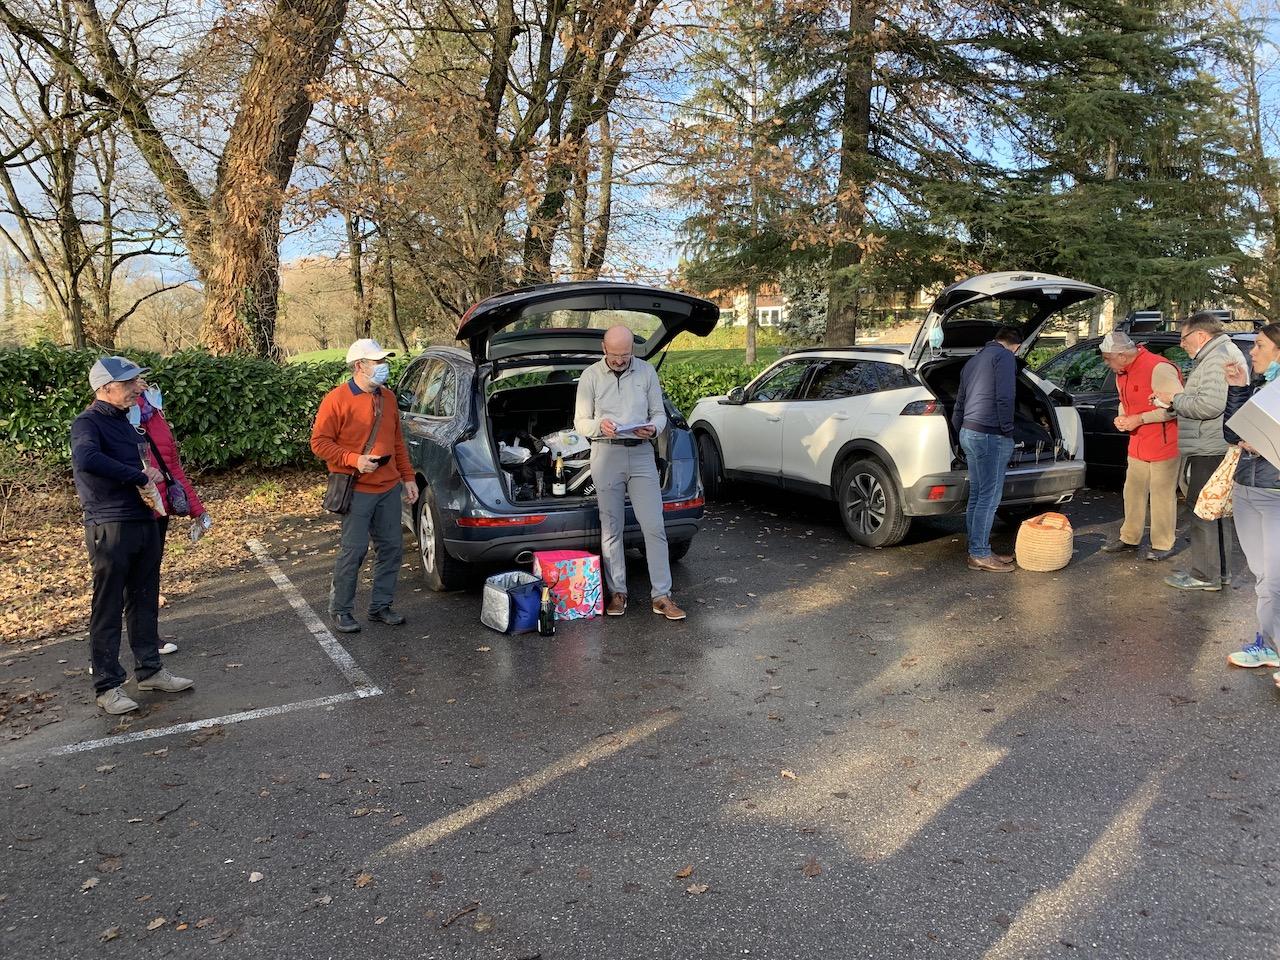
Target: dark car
1080,372
489,428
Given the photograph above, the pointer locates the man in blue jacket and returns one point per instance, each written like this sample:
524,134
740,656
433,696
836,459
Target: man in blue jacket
121,534
983,416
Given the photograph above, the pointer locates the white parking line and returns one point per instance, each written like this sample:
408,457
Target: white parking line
328,642
364,687
194,725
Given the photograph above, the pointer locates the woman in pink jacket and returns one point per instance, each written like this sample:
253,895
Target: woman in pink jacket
176,492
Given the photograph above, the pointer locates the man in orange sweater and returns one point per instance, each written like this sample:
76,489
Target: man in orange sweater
339,437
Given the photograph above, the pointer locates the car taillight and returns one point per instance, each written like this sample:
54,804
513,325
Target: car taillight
922,408
501,521
937,493
685,504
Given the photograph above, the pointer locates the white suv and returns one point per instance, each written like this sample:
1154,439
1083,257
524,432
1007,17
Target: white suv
870,427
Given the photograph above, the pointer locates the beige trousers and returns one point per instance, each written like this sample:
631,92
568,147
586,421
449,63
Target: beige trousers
1158,483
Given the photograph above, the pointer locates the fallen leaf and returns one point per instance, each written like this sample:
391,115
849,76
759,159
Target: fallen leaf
204,922
27,786
105,768
181,926
109,934
482,649
363,880
323,776
255,877
157,923
697,889
686,873
88,884
811,868
584,873
788,775
110,865
483,924
380,921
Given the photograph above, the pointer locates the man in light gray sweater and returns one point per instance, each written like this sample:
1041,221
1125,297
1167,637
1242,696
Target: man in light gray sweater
1200,406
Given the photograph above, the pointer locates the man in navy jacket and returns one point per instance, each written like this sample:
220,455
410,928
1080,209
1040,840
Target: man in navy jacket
983,416
121,534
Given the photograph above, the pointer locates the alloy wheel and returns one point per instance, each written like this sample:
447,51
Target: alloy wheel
427,537
866,503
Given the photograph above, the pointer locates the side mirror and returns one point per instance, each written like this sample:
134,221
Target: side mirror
736,396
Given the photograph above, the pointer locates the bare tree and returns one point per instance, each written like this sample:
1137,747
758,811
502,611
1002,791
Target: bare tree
231,230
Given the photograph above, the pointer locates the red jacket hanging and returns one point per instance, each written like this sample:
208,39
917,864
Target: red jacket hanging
157,429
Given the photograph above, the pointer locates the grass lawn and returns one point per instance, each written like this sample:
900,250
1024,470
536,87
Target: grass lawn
318,356
721,358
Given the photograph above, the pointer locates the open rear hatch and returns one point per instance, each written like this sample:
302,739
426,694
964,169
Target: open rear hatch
571,318
533,344
967,315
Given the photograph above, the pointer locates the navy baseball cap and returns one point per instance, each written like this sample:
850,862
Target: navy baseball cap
112,369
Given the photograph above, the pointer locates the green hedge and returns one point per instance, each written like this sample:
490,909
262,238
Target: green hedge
225,410
687,383
230,410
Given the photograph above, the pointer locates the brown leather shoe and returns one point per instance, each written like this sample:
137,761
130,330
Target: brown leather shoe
993,564
667,607
617,605
1004,557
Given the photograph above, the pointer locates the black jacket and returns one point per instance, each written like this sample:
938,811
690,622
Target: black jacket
988,385
1253,471
107,466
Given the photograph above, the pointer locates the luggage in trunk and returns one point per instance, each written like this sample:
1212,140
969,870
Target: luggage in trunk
530,424
1035,432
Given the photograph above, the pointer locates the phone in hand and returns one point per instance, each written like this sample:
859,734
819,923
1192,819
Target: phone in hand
382,459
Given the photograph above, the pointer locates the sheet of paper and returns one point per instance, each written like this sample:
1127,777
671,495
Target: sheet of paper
631,428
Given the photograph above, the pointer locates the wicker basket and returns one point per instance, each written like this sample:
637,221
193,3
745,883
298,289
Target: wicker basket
1045,543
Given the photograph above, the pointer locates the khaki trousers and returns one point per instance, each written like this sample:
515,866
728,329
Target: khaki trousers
1158,483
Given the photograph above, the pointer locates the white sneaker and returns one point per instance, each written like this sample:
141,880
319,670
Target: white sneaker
165,682
169,647
116,701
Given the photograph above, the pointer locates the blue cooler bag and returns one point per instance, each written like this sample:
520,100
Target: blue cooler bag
510,602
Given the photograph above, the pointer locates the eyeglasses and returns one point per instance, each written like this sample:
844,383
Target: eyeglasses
618,356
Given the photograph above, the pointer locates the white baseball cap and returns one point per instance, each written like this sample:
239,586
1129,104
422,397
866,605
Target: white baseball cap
367,350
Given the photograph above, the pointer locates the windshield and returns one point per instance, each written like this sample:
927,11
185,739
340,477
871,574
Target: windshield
643,325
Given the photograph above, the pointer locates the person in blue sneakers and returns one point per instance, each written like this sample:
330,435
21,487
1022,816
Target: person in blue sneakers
983,417
1255,500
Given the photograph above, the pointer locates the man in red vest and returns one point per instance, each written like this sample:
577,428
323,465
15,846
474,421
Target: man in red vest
1153,444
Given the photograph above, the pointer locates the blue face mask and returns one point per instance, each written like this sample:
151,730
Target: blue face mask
135,415
380,373
154,397
1272,371
935,337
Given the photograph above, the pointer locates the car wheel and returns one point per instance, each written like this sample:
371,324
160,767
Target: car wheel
870,505
441,571
676,551
710,466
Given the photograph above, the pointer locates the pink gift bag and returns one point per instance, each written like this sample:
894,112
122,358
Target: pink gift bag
574,578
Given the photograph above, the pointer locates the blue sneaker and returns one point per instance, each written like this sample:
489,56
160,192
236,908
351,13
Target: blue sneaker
1256,654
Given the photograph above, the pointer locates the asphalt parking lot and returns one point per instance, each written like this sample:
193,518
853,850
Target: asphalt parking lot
842,752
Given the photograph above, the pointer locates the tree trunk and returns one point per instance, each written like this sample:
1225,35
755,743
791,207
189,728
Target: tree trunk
242,283
752,324
604,203
393,302
855,134
355,269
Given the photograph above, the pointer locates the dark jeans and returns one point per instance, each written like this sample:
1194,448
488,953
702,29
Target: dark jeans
987,455
1212,541
125,557
376,515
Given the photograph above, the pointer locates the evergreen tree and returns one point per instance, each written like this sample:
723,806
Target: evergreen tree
743,178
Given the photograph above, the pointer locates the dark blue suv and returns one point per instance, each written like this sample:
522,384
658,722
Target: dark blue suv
490,429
